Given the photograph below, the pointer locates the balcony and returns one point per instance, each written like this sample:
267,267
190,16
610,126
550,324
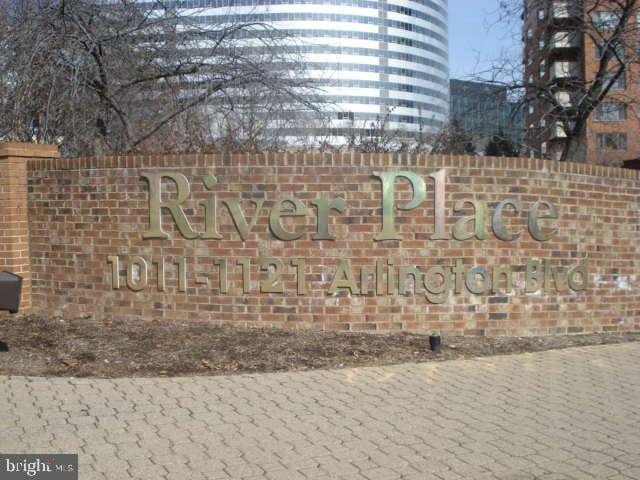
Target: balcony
563,40
565,70
555,151
563,99
563,10
564,104
557,131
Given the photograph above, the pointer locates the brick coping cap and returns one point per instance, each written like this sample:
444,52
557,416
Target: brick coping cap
319,158
28,150
305,157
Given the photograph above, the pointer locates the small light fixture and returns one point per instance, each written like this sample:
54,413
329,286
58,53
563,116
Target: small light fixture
435,343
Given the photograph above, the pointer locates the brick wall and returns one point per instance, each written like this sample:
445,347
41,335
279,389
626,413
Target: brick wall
85,213
14,229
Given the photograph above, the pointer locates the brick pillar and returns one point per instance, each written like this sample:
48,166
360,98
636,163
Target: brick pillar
14,210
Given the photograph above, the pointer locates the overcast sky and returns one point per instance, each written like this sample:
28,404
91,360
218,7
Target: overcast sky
474,38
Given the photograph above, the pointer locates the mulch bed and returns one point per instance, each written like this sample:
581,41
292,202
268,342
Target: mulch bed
83,348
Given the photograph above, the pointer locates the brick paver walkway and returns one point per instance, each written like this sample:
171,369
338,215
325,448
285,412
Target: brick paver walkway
566,414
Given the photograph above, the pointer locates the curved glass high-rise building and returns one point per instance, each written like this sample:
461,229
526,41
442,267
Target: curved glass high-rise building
374,61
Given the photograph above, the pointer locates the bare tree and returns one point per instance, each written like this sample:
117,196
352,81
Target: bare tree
123,76
501,146
576,54
452,139
259,119
376,136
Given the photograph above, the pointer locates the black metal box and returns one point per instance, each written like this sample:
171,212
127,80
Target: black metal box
10,290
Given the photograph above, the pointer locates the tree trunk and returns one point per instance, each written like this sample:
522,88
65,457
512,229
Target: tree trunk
575,148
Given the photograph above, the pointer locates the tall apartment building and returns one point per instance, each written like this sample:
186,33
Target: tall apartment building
374,61
560,59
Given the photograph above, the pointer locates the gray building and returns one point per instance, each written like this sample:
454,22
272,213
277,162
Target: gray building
484,109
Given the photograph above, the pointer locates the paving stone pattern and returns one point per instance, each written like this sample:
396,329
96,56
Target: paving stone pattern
566,414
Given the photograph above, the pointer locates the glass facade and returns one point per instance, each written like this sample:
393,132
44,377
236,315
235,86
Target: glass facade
484,110
384,61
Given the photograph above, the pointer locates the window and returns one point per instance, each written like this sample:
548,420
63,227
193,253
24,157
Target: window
619,49
541,44
542,68
543,122
619,83
345,116
611,112
540,14
543,148
530,109
605,19
611,141
529,32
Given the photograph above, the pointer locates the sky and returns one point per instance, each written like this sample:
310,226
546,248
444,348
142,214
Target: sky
475,39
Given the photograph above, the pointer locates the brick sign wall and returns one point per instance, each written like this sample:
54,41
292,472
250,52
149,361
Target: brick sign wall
475,246
14,220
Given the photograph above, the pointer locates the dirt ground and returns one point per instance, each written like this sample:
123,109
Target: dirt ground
77,347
